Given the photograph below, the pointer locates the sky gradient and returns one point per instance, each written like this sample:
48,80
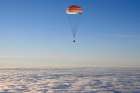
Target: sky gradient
36,33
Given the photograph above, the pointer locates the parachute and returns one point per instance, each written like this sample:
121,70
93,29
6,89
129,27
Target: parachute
74,9
74,13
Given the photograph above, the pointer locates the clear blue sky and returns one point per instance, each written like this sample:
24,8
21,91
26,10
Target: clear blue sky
36,33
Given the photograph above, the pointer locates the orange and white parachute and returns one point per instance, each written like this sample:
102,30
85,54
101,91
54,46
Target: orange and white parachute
74,9
74,13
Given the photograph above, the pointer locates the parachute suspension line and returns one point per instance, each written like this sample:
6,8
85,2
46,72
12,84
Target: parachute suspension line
74,35
74,22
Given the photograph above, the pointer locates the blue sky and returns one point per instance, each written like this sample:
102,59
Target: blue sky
36,33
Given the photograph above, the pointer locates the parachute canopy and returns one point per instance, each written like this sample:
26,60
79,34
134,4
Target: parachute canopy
74,9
